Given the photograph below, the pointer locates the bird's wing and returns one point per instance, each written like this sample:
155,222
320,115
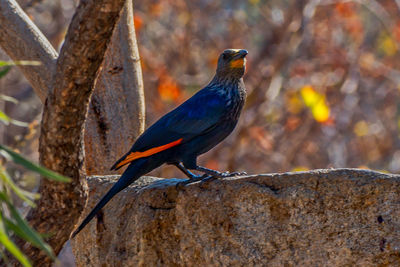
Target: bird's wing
196,116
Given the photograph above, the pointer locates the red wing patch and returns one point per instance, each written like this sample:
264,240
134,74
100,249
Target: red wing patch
137,155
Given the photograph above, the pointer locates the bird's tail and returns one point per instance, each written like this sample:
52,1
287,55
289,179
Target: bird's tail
131,174
115,166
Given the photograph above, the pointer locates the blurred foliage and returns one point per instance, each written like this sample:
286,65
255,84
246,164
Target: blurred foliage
12,222
316,102
322,77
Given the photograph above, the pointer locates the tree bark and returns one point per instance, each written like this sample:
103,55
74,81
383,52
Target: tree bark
116,114
22,40
61,141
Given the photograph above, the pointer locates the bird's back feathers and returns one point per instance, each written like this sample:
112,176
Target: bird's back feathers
196,116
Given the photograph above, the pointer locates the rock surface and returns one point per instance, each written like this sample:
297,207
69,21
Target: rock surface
342,217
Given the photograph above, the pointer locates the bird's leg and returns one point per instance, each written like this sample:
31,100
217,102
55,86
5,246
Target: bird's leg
187,172
192,177
218,174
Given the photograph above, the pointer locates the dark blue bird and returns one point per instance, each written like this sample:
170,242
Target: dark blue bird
188,131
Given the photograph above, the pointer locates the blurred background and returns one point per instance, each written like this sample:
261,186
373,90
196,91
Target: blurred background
322,78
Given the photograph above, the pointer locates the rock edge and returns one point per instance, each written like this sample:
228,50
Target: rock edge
334,217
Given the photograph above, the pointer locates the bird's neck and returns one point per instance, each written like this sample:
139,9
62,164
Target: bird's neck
225,80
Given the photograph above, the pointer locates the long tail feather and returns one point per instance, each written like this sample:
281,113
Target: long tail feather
131,174
114,167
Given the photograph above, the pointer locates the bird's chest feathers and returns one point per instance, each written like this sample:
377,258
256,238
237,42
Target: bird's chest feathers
219,100
234,101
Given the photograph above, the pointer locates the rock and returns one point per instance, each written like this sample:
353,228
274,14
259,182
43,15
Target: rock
337,217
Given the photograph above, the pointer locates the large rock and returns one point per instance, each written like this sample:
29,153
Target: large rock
342,217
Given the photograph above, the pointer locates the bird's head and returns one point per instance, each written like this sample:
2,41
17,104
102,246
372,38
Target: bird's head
232,63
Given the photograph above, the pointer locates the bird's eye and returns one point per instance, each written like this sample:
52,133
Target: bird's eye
224,56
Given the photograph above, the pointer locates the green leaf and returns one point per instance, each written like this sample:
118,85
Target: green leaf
5,63
10,226
4,71
4,118
28,233
8,98
11,247
7,120
8,153
19,123
24,195
20,62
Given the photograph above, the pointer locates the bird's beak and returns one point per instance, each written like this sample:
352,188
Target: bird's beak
243,53
239,60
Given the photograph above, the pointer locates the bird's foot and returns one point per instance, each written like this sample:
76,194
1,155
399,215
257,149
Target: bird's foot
193,180
228,174
219,174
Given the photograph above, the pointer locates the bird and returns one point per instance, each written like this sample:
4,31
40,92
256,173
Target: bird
191,129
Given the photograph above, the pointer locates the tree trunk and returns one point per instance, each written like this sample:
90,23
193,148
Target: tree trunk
116,114
117,111
64,114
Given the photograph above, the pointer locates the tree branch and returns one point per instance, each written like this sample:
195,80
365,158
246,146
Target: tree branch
110,129
22,40
61,142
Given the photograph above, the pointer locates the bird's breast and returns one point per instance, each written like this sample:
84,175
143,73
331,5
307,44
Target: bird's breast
235,101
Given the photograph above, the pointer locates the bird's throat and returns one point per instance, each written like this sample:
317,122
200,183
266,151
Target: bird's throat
238,63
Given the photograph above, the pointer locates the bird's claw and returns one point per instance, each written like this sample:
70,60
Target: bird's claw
230,174
206,178
238,173
192,180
